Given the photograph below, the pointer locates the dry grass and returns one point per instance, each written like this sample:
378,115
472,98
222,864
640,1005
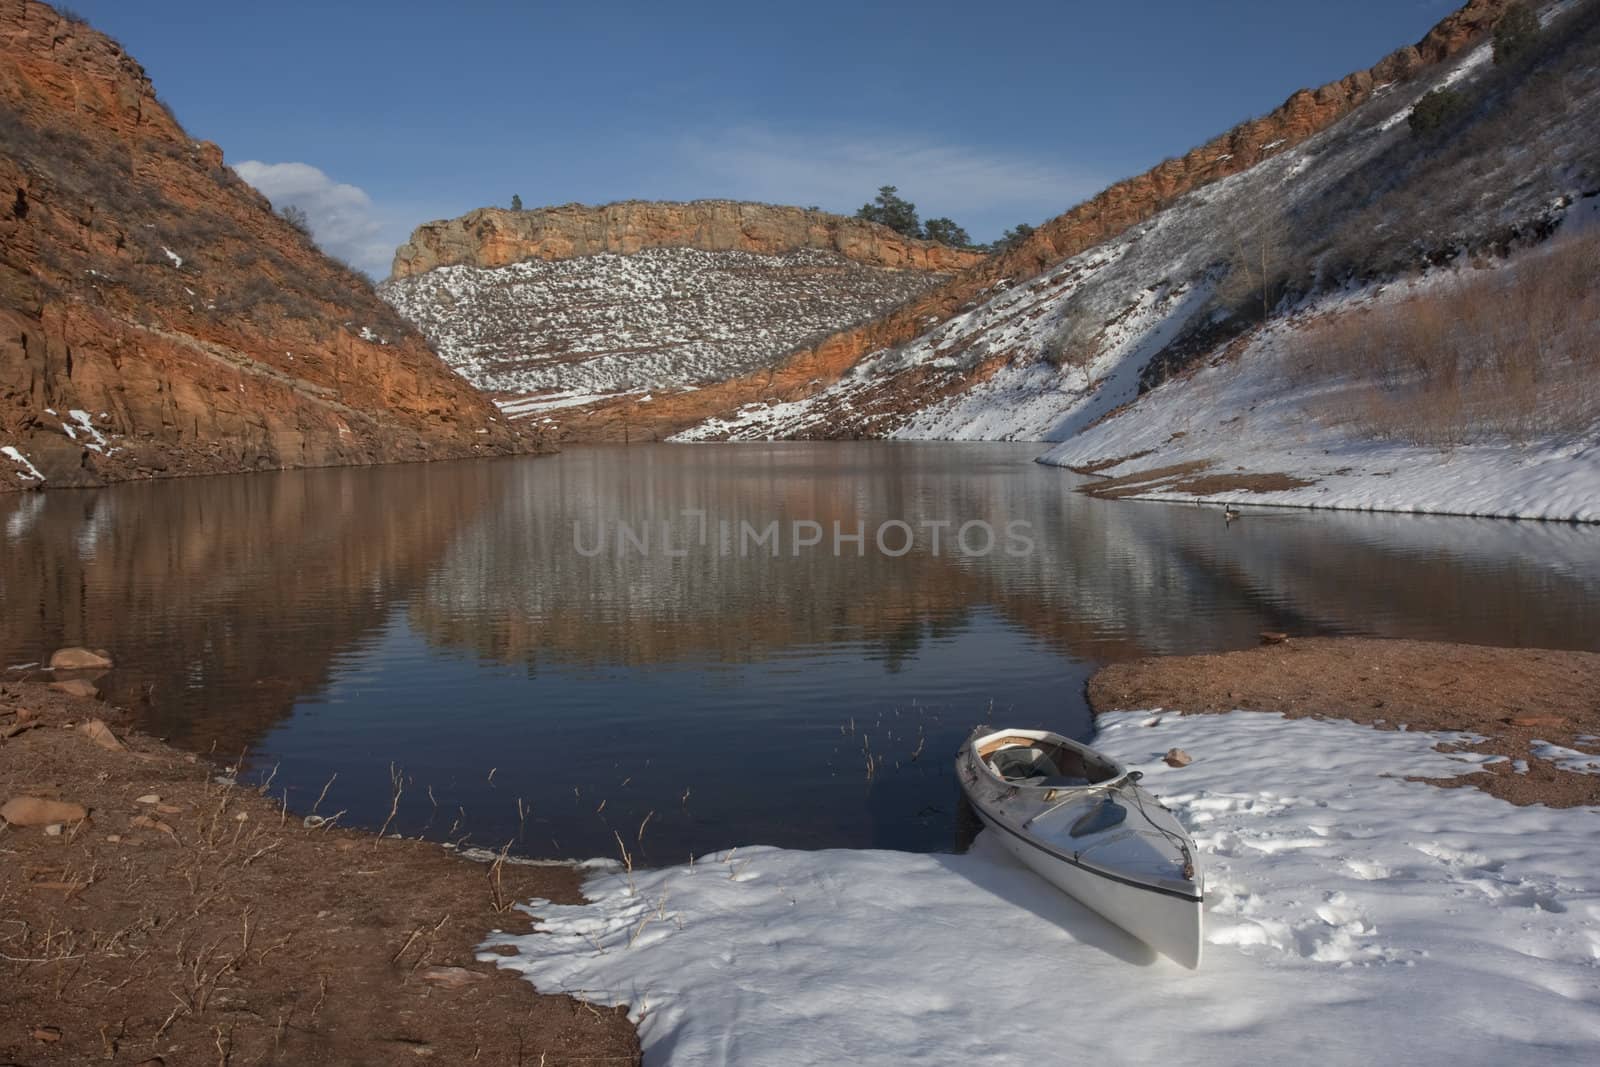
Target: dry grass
192,921
1493,354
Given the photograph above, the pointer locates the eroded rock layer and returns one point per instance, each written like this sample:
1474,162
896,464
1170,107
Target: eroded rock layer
494,237
157,318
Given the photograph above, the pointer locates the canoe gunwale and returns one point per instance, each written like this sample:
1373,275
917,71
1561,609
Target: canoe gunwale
1033,841
1125,777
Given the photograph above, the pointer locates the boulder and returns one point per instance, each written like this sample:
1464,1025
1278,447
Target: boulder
37,811
100,734
76,687
80,659
1177,757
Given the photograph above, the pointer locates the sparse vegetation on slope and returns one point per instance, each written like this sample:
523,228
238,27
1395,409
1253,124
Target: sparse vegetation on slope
1486,355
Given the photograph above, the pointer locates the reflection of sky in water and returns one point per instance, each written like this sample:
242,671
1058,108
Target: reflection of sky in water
438,617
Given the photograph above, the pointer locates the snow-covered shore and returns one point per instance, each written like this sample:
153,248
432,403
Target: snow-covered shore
1256,428
1352,917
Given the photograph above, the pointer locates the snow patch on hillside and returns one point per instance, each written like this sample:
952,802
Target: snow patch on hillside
1349,912
661,318
1259,414
1044,358
27,472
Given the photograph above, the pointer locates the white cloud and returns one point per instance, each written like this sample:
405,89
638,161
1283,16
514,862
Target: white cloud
839,171
343,218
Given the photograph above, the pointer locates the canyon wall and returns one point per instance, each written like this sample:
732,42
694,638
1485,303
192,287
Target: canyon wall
1107,215
158,318
495,237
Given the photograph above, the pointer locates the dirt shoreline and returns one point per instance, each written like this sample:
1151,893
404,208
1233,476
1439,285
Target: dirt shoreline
1511,697
188,920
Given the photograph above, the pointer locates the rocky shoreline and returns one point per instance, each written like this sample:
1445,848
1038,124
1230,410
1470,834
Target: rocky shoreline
154,911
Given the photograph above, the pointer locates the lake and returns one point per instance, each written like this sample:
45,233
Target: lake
668,644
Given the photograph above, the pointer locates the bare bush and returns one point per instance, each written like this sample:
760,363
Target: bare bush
1075,344
1261,258
1504,354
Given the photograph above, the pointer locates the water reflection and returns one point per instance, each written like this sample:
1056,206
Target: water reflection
439,617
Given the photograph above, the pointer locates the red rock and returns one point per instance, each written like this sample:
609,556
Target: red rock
1102,218
452,977
76,687
495,237
100,734
242,349
37,811
79,659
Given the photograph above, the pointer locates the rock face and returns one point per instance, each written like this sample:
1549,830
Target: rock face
157,318
1106,216
545,332
494,237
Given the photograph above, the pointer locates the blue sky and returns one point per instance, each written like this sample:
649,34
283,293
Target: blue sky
376,117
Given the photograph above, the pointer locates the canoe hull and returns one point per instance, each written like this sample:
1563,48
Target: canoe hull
1137,881
1169,924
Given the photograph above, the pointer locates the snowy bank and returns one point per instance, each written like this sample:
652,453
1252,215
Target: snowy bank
1256,427
1352,917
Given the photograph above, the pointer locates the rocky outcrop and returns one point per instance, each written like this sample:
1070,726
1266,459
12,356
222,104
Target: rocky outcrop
157,318
494,237
1112,212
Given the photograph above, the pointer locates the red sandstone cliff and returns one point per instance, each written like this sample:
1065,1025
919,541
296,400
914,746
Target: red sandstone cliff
145,285
493,237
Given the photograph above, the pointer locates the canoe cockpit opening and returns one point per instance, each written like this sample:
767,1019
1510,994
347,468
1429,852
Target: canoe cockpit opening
1032,762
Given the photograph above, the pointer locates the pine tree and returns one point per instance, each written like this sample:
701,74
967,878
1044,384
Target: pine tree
1015,235
889,209
1515,33
516,202
946,232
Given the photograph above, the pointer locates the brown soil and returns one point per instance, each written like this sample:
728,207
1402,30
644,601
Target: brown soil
1115,461
1185,477
1511,696
1212,484
210,927
1144,481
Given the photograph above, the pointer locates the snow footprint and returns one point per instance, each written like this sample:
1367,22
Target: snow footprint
1367,870
1475,871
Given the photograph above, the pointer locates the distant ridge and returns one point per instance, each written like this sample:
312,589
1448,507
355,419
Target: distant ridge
497,237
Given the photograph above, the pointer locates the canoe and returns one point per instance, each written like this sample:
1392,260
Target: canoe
1081,821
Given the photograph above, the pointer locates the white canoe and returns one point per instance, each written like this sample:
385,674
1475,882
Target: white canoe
1080,820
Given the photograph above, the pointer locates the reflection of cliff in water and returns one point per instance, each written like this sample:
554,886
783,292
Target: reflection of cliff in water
1106,580
231,599
225,600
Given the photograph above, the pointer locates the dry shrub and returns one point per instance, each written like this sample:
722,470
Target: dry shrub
1511,353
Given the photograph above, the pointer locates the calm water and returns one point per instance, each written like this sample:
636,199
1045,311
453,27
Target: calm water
442,620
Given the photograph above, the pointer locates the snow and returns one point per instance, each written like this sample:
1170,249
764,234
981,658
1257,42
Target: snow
97,441
177,260
1352,915
995,370
1474,61
522,406
662,318
1257,413
1568,759
28,471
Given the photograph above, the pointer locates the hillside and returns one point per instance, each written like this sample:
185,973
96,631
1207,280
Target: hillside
974,305
157,318
559,307
1358,203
